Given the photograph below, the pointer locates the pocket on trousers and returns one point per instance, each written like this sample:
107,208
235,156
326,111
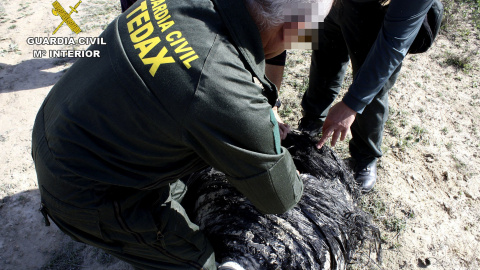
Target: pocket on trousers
177,234
79,223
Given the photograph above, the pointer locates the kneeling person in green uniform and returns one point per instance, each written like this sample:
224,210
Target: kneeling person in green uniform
172,93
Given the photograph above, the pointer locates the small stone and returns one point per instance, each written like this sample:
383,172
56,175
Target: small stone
430,158
468,195
424,263
445,175
447,208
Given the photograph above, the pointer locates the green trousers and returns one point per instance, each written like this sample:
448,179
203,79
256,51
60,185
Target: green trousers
180,244
146,228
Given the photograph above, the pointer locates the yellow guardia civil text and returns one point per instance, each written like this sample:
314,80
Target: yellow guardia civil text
141,28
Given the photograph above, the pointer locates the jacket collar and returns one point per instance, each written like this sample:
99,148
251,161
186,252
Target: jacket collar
246,38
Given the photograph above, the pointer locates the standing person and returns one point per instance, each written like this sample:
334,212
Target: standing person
172,93
376,40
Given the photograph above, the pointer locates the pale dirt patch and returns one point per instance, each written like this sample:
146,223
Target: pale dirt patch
426,201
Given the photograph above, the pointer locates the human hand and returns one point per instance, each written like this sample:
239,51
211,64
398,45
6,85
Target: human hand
284,128
337,124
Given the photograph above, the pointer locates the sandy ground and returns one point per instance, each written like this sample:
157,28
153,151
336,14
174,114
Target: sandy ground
426,201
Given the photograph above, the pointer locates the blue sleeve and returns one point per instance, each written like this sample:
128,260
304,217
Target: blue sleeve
400,27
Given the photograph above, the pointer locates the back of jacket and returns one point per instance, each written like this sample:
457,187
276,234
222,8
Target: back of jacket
172,93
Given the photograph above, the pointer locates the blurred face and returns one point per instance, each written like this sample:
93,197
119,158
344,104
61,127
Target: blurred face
300,31
292,35
301,35
302,23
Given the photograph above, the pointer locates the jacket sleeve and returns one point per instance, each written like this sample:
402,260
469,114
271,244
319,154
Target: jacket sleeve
400,27
231,126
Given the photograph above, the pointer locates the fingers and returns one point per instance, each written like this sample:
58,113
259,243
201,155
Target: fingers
337,124
325,136
284,130
283,135
335,134
344,135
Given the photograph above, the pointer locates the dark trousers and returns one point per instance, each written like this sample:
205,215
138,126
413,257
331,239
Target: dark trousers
349,32
149,229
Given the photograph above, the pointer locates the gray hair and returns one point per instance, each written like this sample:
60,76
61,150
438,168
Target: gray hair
270,13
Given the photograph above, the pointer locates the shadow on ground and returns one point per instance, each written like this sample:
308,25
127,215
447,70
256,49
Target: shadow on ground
32,73
26,243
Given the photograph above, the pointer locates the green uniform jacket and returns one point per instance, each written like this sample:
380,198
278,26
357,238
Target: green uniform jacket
172,93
